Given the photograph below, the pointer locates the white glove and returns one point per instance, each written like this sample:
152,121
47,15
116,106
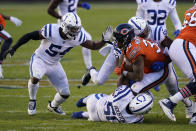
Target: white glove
106,36
16,21
104,50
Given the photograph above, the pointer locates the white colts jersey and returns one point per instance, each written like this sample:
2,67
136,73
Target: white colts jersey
157,34
156,13
113,108
54,47
67,6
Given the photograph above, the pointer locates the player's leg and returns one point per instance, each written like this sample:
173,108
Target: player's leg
150,80
37,70
101,76
5,46
183,55
58,78
172,86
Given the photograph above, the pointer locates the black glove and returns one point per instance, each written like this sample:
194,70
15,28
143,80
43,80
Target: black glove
9,51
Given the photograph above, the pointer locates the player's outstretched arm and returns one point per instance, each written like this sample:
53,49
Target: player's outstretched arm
52,6
35,35
106,36
13,19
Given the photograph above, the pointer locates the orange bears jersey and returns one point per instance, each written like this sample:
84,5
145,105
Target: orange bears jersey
151,52
189,26
2,21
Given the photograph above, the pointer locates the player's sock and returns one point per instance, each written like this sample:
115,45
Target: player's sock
32,89
94,75
176,98
87,57
187,102
58,99
85,115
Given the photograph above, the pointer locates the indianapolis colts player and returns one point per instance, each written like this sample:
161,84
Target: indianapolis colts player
159,36
155,12
65,6
115,107
56,41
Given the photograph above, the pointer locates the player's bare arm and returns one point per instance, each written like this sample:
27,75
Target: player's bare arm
138,69
166,42
51,8
93,45
35,35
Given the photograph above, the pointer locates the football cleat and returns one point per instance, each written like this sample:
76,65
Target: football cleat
193,119
80,103
168,106
56,110
77,115
32,107
189,110
86,77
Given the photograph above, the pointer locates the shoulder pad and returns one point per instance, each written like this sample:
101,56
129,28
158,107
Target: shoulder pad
46,30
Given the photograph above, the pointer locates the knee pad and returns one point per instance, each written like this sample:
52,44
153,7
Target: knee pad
65,96
192,87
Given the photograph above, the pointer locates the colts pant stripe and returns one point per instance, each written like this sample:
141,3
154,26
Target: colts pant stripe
157,82
189,57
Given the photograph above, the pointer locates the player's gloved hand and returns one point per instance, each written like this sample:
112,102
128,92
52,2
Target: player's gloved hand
1,27
118,70
86,5
106,36
9,51
157,66
176,33
117,52
16,21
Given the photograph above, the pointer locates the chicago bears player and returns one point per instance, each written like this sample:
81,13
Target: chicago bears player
116,107
159,36
141,54
5,36
56,41
65,6
183,54
155,12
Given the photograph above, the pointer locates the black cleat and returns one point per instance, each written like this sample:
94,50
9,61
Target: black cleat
86,77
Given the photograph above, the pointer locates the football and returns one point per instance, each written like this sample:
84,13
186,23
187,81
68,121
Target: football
141,104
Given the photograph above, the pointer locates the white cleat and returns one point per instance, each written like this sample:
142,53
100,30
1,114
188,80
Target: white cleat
189,110
56,110
167,106
32,107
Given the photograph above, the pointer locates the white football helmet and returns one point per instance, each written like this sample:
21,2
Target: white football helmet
71,25
140,26
141,104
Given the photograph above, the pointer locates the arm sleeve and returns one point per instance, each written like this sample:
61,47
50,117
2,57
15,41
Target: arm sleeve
175,19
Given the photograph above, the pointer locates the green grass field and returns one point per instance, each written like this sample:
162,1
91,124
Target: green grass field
13,89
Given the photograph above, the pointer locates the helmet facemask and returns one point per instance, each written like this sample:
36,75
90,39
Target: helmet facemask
146,32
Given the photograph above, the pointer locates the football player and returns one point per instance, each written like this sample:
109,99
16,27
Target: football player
5,36
116,107
183,54
158,35
65,6
155,12
56,41
142,54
